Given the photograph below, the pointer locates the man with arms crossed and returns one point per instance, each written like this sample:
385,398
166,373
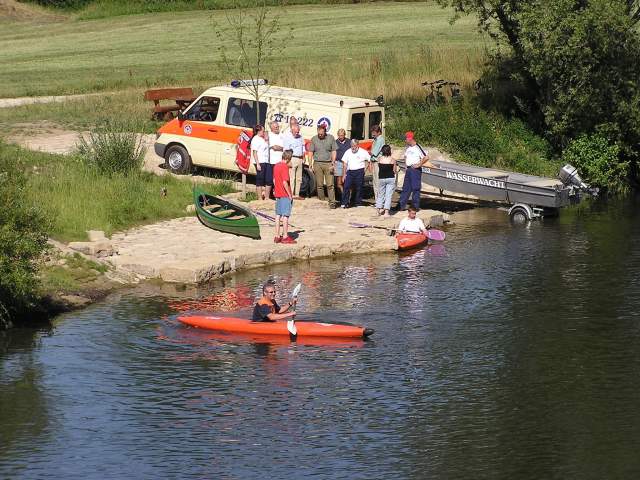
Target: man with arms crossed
284,198
293,141
260,157
323,147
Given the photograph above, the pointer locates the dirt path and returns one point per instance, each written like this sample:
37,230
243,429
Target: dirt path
16,102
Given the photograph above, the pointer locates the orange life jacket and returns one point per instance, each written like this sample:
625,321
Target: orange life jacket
243,154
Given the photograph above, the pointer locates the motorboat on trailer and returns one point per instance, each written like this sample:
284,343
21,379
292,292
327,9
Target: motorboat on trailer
527,196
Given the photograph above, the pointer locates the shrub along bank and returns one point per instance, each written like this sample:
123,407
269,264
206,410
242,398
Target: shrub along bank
77,197
473,135
62,197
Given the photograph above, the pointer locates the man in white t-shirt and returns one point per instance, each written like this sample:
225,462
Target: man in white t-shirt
276,147
260,157
415,158
354,161
412,224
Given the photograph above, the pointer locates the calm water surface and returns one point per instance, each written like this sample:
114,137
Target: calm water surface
515,353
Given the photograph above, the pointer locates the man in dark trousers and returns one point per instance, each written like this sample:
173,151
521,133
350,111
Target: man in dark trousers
415,158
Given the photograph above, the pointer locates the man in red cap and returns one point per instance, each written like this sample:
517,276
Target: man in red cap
415,158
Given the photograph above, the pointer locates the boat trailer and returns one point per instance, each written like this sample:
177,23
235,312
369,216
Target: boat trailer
527,197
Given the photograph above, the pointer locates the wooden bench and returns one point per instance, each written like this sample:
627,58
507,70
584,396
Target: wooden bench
182,97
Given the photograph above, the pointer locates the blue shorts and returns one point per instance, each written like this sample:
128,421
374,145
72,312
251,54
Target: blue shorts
264,177
283,206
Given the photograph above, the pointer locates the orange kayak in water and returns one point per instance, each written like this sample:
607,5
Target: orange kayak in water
304,329
410,240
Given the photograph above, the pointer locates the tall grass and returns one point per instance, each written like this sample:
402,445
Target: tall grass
115,148
475,136
362,49
77,198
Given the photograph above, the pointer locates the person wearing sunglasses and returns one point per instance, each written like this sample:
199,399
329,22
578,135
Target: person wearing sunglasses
268,310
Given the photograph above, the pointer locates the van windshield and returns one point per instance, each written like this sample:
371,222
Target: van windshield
242,112
205,109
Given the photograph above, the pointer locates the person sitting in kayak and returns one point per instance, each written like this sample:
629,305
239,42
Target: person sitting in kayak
412,224
267,310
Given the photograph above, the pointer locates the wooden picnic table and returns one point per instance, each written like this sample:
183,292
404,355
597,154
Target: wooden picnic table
183,97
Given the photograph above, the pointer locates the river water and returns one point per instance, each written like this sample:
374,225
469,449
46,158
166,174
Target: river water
511,352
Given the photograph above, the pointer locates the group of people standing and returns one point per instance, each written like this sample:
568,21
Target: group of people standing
338,163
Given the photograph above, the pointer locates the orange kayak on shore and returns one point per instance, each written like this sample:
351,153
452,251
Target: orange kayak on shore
410,240
304,329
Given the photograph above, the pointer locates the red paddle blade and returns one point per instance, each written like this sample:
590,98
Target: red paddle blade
437,235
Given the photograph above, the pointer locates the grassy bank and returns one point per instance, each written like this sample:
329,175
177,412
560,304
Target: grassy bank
475,136
363,49
77,198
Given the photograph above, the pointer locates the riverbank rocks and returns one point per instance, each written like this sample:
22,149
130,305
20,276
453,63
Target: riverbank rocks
101,248
184,251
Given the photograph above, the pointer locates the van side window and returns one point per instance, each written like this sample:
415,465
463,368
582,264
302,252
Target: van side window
357,126
242,112
375,118
205,109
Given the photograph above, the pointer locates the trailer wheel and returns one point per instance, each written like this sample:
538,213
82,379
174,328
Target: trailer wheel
519,215
177,159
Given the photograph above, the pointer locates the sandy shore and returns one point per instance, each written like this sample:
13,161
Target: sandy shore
183,250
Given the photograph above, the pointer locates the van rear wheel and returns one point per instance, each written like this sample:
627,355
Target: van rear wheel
308,185
177,159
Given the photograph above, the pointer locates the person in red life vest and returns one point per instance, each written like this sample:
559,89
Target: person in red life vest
260,156
284,197
267,310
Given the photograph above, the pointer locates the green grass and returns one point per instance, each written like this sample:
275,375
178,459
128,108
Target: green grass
75,274
111,8
77,198
363,49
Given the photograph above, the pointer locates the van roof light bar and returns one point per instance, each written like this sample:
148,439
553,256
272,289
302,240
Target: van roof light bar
249,83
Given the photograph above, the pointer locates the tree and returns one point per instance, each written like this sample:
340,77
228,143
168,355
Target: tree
23,240
255,35
256,38
571,67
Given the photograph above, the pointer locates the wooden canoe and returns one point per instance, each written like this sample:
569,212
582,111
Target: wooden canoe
224,215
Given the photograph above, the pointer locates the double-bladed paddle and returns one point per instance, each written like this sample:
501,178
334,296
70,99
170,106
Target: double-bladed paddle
291,324
432,233
269,217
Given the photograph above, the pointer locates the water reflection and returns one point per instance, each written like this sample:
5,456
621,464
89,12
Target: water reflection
513,354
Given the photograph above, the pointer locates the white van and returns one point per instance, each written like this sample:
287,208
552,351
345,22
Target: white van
206,133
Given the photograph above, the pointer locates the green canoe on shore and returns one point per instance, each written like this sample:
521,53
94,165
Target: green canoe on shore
224,215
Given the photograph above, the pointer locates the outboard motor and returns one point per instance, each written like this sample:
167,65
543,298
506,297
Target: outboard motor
569,176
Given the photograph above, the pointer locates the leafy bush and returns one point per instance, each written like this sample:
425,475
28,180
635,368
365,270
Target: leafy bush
113,149
570,69
474,136
597,161
23,240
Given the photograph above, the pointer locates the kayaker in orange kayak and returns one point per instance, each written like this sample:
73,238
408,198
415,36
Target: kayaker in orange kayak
267,310
411,224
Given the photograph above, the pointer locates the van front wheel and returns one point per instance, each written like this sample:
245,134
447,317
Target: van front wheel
177,160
